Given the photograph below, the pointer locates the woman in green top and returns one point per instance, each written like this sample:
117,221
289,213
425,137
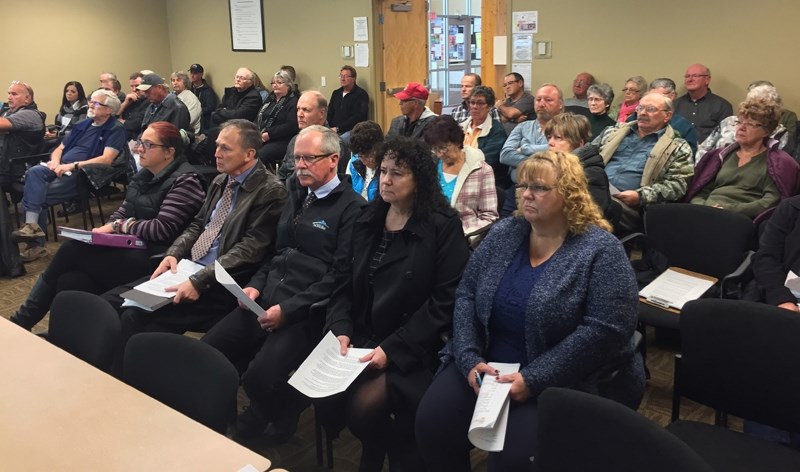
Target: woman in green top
752,174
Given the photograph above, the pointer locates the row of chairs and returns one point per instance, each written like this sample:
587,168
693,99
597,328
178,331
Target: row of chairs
738,358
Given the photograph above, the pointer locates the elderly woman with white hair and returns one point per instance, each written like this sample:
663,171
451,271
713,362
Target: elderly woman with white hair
182,87
724,135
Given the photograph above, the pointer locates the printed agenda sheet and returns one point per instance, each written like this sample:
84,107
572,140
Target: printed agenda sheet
325,371
487,430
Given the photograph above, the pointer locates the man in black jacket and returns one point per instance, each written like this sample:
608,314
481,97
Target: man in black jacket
240,101
206,95
349,104
313,253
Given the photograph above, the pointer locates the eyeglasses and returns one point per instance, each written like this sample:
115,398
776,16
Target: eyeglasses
648,109
536,189
595,99
630,89
695,76
477,103
345,77
440,149
278,83
241,77
309,160
579,82
747,124
95,104
148,145
506,84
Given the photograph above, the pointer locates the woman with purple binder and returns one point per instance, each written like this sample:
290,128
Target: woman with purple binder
160,202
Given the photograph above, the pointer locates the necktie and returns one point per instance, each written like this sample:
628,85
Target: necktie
203,243
311,198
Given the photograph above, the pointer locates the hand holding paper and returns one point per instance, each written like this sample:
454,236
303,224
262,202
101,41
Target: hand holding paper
225,279
487,430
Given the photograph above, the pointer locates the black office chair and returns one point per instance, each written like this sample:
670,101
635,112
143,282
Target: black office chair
184,374
86,326
579,432
739,358
698,238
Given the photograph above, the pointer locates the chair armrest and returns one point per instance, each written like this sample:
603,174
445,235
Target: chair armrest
632,238
736,275
481,230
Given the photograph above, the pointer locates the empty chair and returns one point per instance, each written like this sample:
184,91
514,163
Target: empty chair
701,239
739,358
184,374
579,432
86,326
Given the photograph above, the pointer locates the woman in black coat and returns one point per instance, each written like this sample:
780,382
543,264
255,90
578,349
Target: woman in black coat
409,254
277,119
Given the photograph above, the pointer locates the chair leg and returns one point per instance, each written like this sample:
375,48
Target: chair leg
53,221
100,211
318,437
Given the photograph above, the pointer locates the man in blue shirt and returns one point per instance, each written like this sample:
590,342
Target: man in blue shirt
97,140
646,161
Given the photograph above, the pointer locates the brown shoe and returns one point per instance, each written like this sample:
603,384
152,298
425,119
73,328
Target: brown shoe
32,253
28,232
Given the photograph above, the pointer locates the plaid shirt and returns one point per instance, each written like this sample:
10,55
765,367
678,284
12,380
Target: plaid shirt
476,200
461,113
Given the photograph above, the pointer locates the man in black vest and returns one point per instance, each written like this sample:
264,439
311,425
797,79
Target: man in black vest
21,134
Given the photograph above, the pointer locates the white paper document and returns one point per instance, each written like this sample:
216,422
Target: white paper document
487,430
672,289
168,279
793,283
225,279
325,371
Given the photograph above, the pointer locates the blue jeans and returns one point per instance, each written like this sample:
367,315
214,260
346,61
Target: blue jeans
43,189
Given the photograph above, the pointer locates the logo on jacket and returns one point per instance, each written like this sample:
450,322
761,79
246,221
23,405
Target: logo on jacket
321,224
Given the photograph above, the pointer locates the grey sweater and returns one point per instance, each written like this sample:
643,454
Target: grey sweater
580,316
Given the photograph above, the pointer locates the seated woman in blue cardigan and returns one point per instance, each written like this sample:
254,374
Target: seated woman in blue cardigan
549,288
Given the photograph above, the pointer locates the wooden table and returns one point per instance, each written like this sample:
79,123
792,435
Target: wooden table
59,413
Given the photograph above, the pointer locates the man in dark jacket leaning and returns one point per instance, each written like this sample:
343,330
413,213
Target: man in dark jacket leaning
235,226
313,253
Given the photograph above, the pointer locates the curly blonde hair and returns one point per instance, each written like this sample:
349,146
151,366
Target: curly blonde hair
580,209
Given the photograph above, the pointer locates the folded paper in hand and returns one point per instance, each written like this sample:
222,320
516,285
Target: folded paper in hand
487,430
225,279
326,371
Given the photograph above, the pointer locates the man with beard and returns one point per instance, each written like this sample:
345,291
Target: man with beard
528,138
645,159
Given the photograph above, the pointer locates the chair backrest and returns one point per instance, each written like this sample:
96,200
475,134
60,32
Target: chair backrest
184,374
741,357
86,326
578,431
699,238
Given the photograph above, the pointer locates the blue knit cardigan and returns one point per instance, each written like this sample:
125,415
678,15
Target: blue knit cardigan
581,313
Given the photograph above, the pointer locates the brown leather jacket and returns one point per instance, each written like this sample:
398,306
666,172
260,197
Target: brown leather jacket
248,236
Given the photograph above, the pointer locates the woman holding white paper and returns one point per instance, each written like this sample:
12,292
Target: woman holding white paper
550,289
409,254
159,204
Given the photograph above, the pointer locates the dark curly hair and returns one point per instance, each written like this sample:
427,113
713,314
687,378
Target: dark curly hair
365,137
414,155
443,130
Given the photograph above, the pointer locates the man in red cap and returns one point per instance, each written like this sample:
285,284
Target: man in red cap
415,114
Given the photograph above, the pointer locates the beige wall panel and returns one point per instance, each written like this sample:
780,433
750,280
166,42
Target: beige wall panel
739,40
307,34
50,42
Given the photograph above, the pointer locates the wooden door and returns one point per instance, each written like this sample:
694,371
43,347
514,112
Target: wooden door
402,45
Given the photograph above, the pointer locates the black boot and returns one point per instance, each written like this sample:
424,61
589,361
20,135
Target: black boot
35,306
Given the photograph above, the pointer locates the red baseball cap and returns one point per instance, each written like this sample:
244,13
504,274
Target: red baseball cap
412,90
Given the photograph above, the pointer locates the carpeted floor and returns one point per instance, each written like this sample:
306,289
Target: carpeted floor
298,454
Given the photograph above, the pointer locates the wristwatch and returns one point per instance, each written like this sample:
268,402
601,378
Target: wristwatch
75,166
